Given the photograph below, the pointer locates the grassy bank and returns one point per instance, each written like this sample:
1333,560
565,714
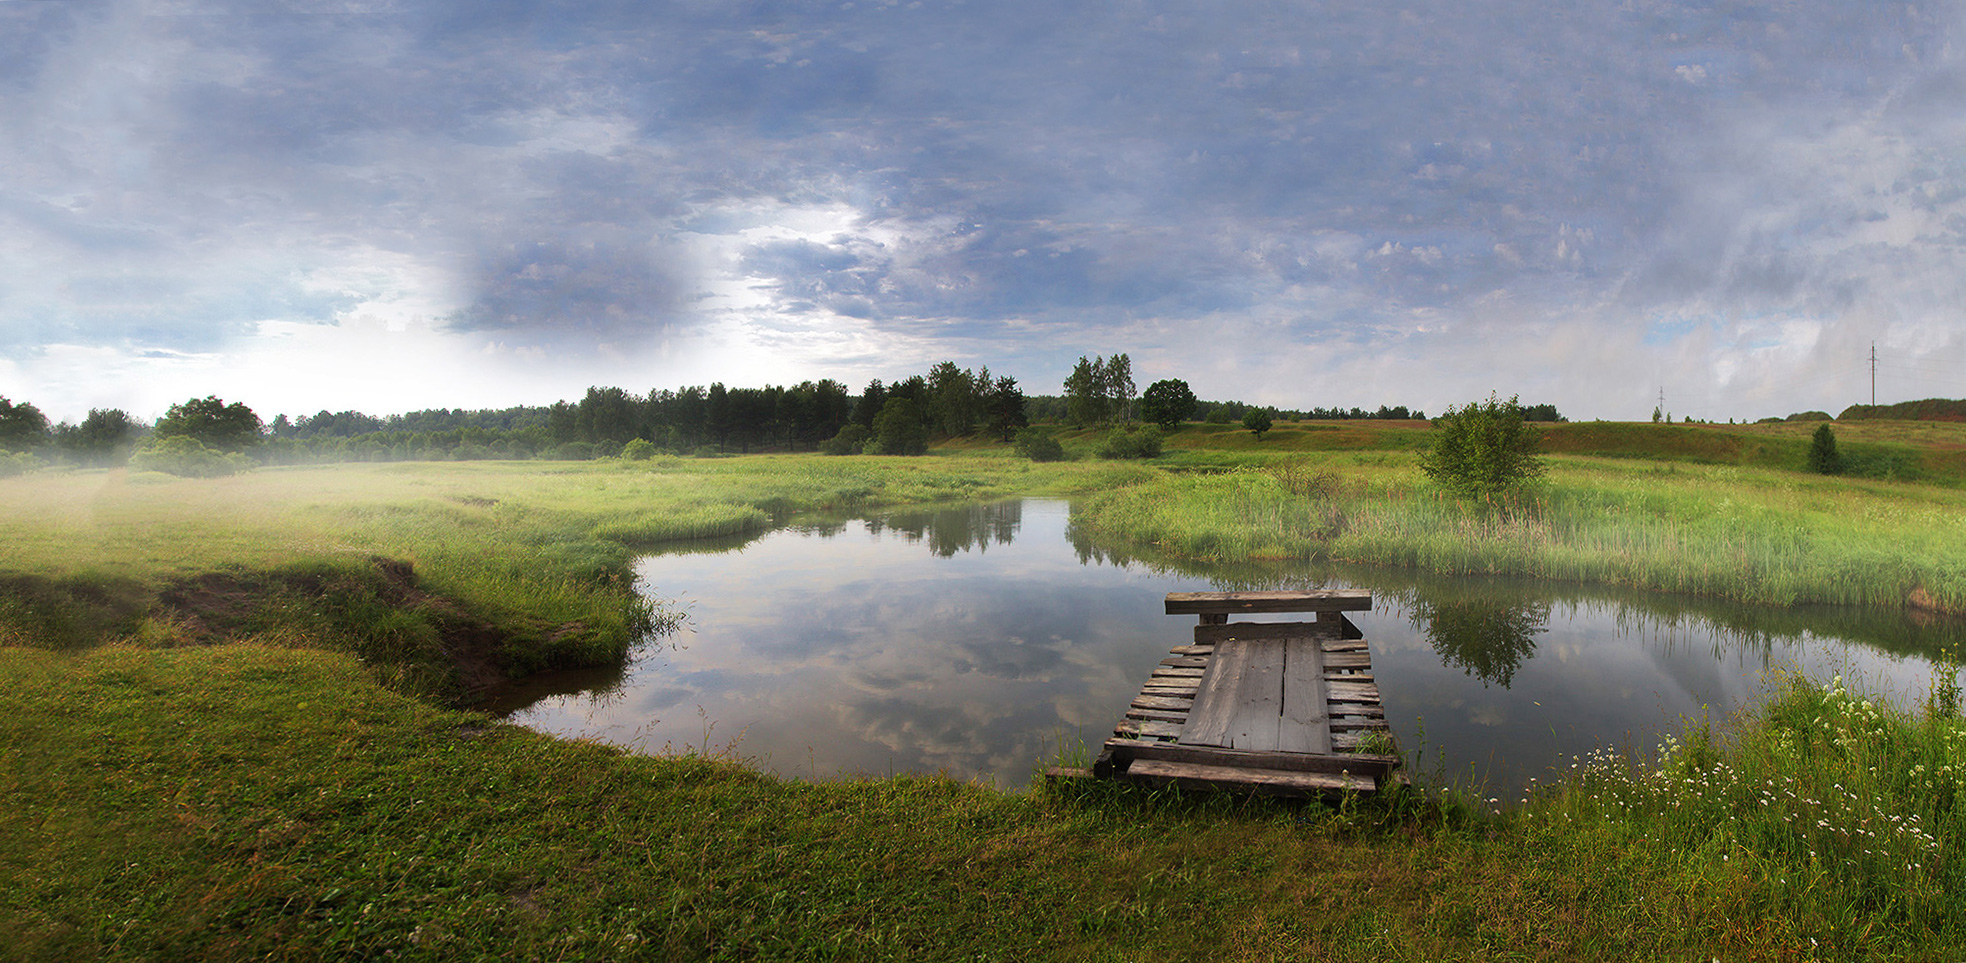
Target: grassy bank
244,802
444,576
1753,535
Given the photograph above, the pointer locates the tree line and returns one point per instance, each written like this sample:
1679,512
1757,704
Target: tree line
902,416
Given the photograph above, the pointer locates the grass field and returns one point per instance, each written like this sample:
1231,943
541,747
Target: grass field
249,803
224,730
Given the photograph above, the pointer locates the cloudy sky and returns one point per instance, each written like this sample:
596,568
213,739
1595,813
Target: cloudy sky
388,206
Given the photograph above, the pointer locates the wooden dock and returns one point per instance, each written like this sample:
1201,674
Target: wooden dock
1282,708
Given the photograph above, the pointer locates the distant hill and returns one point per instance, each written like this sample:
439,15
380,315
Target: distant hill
1931,409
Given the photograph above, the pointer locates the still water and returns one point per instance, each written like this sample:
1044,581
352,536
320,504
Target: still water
972,640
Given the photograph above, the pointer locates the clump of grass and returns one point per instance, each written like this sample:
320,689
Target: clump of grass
1833,816
707,521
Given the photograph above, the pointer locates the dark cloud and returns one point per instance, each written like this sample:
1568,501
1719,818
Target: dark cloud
564,168
573,287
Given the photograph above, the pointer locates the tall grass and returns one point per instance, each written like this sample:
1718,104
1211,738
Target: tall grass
1740,533
1825,818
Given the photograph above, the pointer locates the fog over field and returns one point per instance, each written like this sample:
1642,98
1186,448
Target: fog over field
388,206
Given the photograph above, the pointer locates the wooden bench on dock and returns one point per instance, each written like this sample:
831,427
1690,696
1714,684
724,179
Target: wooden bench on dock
1282,708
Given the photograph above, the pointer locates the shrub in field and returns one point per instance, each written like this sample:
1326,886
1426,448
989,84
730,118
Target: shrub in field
15,464
1257,420
1142,443
1823,457
1482,449
187,457
640,449
851,439
1038,445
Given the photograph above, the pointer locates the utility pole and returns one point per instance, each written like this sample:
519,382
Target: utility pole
1873,374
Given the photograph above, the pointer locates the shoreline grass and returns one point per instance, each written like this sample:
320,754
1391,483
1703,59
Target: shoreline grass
1752,535
244,802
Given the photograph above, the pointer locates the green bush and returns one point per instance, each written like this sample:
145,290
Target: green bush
1482,449
640,449
1257,420
187,457
1038,445
15,464
1142,443
851,439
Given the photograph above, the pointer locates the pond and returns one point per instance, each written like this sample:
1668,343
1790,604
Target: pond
975,640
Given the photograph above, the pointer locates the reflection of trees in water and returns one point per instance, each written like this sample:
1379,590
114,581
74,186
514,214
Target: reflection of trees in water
1485,638
958,529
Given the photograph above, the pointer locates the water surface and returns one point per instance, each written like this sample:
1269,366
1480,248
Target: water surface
972,640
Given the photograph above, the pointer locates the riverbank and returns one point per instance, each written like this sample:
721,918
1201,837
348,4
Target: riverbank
242,802
1755,535
259,785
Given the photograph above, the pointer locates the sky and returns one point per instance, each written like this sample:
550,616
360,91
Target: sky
388,206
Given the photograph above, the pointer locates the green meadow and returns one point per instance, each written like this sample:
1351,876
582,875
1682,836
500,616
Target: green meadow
237,722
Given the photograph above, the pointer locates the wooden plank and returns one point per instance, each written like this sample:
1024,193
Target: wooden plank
1123,753
1347,660
1193,649
1317,600
1248,707
1353,691
1162,702
1355,725
1157,715
1305,723
1185,661
1168,672
1172,689
1345,645
1146,727
1271,781
1247,631
1208,721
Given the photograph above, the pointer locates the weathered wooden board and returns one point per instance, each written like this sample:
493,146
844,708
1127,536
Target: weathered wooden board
1122,752
1353,691
1156,715
1139,727
1304,725
1318,600
1221,691
1233,632
1259,780
1162,702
